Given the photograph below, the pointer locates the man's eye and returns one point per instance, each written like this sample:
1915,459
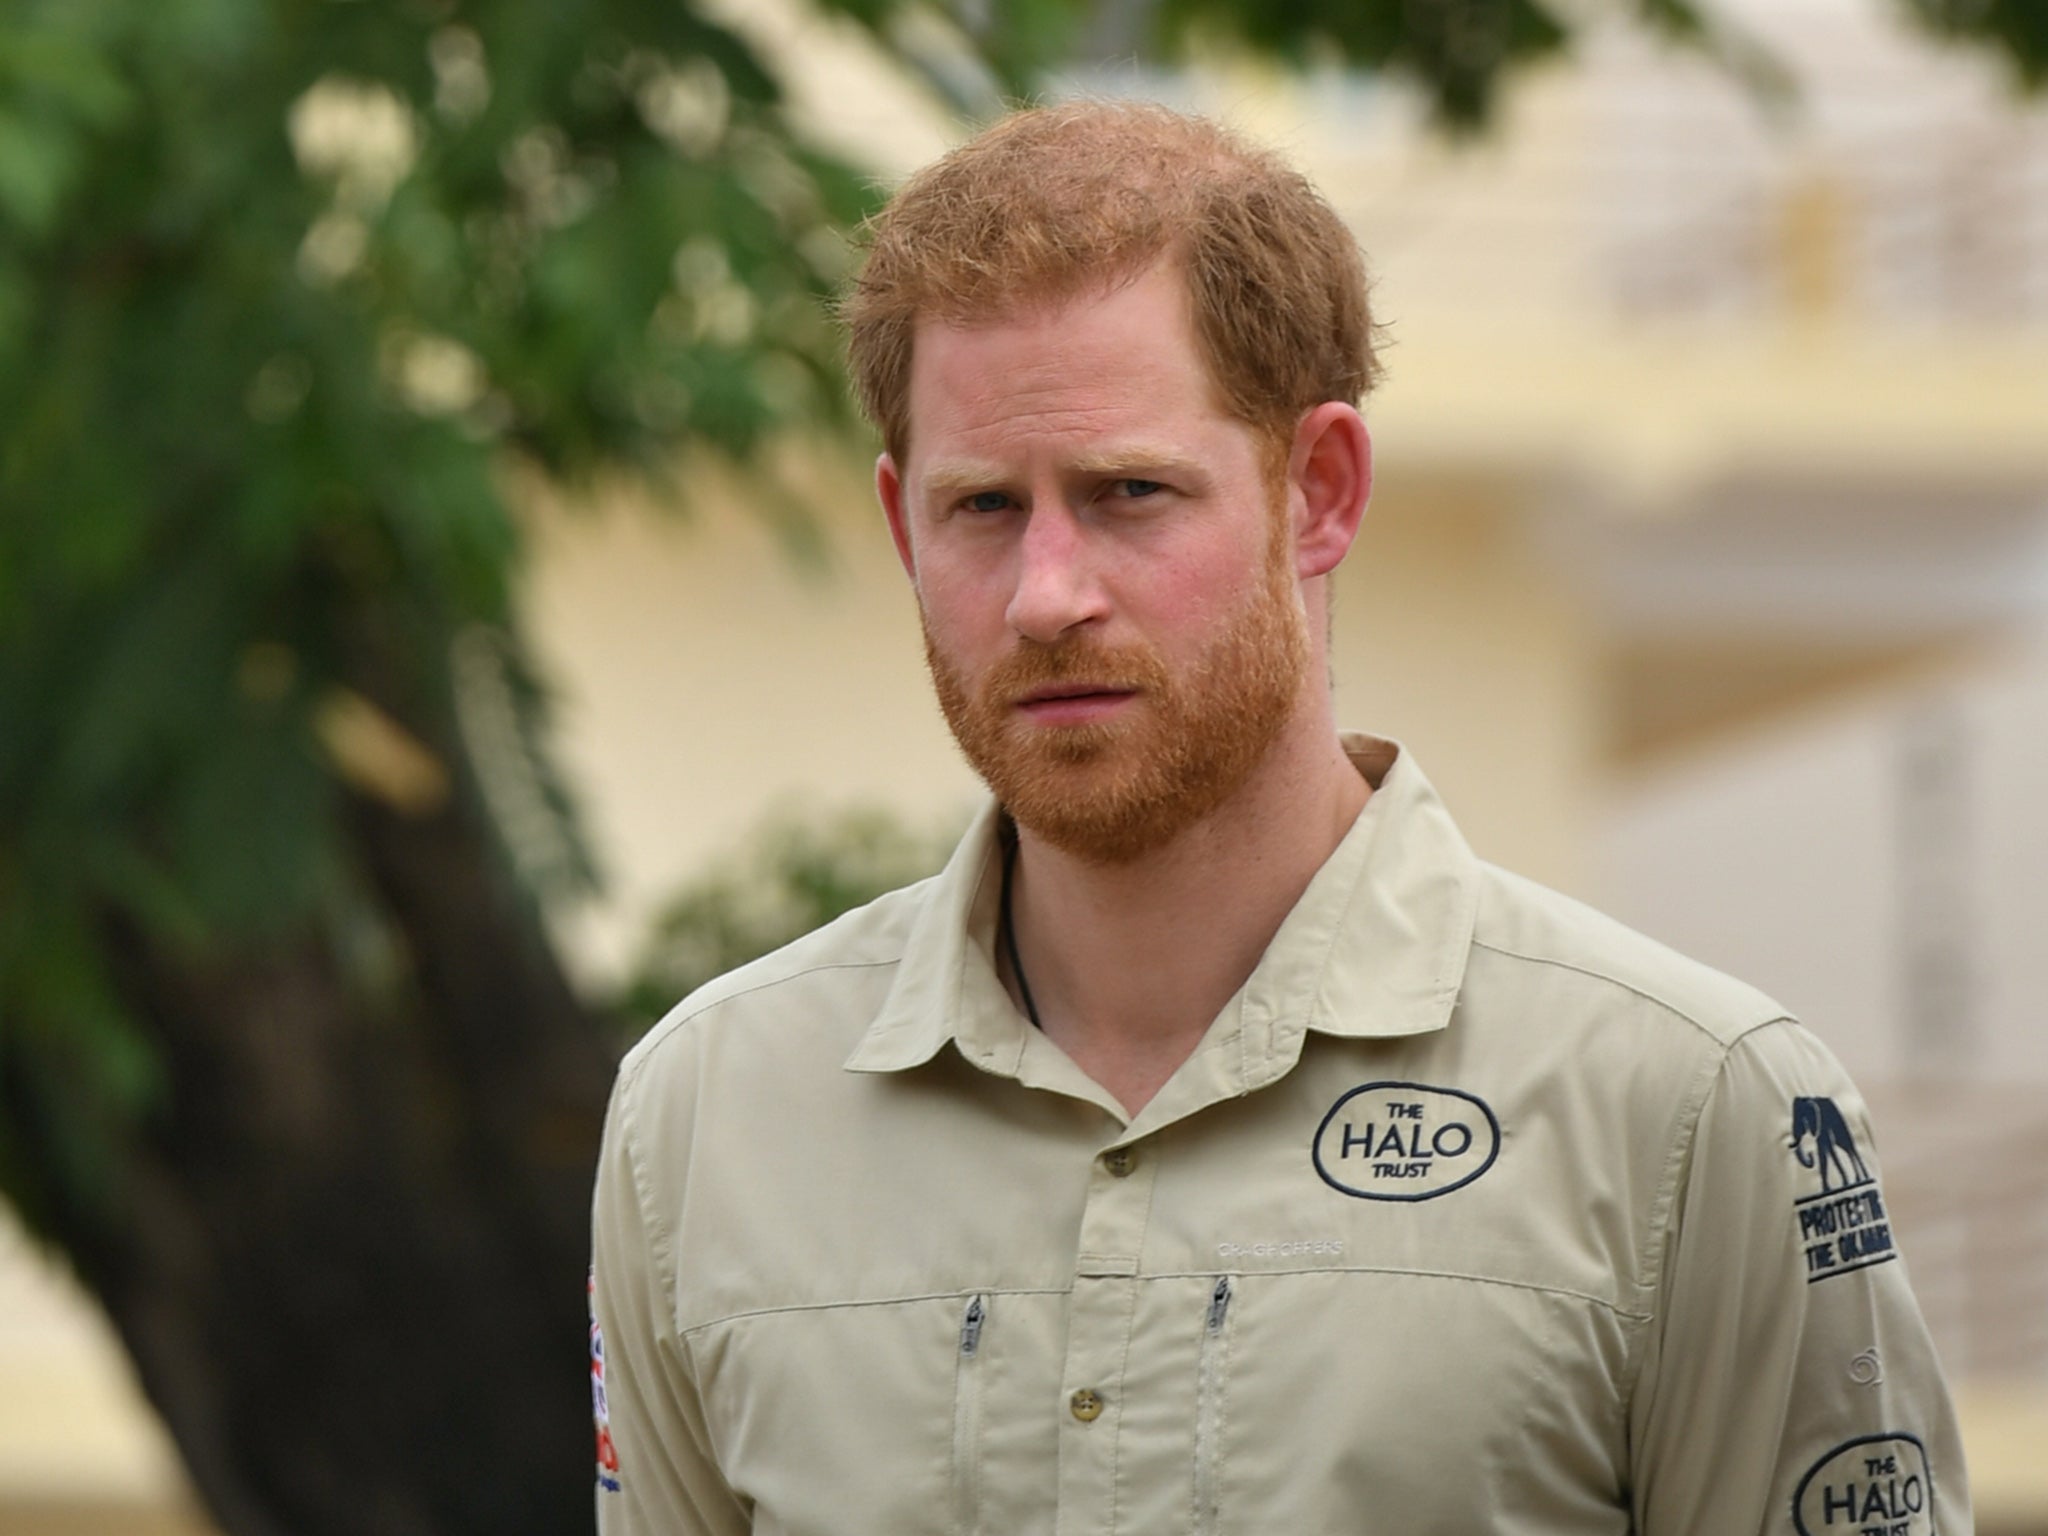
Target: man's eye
986,501
1138,488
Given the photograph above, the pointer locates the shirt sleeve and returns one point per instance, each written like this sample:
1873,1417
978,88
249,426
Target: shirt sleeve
655,1470
1788,1383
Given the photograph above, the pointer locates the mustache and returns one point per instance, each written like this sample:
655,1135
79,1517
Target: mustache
1035,665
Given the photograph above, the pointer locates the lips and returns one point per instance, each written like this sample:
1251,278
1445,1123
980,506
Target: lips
1073,703
1053,693
1074,682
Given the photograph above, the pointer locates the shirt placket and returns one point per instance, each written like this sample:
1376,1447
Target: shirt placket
1099,1337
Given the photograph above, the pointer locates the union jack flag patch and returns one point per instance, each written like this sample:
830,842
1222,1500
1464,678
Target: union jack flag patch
607,1455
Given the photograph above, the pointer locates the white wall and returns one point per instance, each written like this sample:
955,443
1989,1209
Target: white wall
1907,925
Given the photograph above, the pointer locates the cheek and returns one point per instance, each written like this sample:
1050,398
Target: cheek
960,609
1195,590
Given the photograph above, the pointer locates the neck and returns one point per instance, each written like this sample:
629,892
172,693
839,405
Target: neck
1128,964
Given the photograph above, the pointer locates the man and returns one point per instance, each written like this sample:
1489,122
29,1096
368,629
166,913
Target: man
1215,1145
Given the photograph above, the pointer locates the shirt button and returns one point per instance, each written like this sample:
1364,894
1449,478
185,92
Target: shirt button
1086,1405
1120,1161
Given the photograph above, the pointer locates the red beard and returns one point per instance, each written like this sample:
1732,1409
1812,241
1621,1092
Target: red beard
1113,791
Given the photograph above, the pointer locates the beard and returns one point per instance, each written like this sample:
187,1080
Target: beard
1112,791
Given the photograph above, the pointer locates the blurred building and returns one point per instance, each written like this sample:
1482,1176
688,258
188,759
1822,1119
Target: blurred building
1707,576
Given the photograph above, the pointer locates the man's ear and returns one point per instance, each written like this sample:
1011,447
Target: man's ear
889,491
1329,474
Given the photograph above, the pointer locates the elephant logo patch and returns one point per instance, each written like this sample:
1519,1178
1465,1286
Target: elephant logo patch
1843,1225
1833,1148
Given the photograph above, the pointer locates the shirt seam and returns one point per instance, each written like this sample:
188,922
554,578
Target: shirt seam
1426,1274
660,1241
682,1015
661,1259
1663,1003
1650,1263
660,1245
1123,1376
809,970
1123,1370
865,1302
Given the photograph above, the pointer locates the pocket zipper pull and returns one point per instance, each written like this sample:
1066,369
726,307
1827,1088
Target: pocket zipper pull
970,1329
1219,1302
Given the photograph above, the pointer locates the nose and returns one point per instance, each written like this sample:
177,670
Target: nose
1057,588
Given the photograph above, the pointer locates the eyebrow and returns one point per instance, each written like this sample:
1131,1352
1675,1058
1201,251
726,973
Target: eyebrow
956,477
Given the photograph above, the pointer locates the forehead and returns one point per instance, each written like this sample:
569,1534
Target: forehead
1104,362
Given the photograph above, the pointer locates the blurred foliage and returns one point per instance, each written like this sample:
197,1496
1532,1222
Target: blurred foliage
1460,49
284,288
793,874
2018,29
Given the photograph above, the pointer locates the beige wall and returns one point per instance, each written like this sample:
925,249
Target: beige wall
79,1454
1460,634
706,679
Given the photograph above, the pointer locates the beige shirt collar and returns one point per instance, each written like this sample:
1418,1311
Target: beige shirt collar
1375,947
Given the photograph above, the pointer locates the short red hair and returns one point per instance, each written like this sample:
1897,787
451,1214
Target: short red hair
1053,202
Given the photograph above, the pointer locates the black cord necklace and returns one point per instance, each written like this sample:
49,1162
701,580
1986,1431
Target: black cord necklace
1010,936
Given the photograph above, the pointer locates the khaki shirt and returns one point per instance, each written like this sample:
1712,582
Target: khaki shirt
1473,1212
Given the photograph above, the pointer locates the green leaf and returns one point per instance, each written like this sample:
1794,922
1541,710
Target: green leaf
36,163
791,875
249,824
68,68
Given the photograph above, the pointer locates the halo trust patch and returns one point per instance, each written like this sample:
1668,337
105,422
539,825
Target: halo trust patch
1405,1141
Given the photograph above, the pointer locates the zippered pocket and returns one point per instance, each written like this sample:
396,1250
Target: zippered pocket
967,1378
1211,1372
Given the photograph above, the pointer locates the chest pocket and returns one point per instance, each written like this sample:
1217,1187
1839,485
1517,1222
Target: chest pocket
1141,1450
1357,1400
1212,1380
1323,1402
968,1375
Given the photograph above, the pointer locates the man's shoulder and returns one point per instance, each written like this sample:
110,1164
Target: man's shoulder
825,986
1522,924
